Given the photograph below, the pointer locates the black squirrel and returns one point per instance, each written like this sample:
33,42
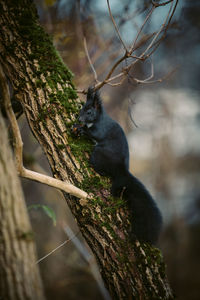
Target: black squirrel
110,157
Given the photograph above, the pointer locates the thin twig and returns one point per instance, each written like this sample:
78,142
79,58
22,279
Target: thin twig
131,102
159,31
142,56
113,21
18,146
155,42
165,28
141,28
156,4
152,72
146,79
156,80
89,60
89,259
55,249
108,78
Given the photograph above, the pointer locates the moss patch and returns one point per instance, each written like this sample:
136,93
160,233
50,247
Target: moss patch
31,36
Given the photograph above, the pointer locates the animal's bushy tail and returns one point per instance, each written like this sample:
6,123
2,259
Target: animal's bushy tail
146,219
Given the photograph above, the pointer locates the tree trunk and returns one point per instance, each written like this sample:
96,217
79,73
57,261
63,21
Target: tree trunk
43,86
19,275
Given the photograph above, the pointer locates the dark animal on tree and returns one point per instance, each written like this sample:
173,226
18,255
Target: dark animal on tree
110,157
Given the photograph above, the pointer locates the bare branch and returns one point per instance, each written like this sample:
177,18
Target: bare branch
147,52
156,4
113,21
18,146
157,43
88,57
159,31
130,104
58,247
152,73
56,183
144,55
117,83
106,80
89,259
145,81
141,28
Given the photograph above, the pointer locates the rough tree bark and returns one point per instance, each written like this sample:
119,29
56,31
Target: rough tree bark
19,275
43,86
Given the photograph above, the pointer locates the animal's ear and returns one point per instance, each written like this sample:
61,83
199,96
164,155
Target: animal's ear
97,101
94,98
90,94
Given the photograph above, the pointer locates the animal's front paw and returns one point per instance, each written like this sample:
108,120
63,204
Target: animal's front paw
78,129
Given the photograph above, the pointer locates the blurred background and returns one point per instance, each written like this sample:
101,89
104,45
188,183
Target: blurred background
161,121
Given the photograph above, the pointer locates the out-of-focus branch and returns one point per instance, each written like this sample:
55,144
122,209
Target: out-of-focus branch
156,37
18,149
88,57
148,78
58,247
157,4
148,81
159,31
116,28
18,144
141,28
